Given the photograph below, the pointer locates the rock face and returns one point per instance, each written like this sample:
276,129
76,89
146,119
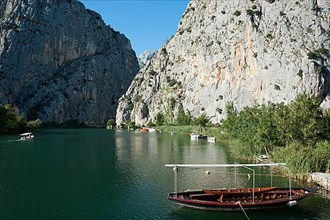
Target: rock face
243,52
60,62
144,57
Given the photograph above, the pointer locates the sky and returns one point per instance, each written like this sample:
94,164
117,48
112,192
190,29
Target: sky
148,24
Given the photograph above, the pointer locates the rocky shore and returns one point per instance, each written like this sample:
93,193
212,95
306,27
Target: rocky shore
322,179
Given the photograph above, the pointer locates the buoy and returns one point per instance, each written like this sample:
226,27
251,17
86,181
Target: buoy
292,203
207,172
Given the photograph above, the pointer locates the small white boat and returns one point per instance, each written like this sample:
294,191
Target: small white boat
26,136
211,139
263,158
194,136
152,129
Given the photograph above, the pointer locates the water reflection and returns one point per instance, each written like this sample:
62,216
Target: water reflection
294,213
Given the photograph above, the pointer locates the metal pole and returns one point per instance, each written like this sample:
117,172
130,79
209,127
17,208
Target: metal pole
290,185
271,177
175,170
224,165
252,183
235,177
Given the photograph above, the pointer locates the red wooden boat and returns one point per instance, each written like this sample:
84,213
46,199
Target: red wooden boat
238,191
233,199
237,198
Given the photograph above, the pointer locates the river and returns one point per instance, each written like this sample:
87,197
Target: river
101,174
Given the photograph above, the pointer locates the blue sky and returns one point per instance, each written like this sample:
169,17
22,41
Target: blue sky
147,23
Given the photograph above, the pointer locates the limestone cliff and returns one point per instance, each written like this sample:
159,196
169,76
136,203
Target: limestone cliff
239,51
60,62
144,57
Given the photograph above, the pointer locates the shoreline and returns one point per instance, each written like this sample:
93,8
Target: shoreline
321,179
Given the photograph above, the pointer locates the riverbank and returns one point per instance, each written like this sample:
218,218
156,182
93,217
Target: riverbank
322,179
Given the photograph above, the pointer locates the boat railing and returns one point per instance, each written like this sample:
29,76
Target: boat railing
246,166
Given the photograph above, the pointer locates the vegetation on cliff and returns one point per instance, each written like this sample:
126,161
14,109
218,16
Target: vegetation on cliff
11,121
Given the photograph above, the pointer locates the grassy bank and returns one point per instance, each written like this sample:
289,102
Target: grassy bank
297,134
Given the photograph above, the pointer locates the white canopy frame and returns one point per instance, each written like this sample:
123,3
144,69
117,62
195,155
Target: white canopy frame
247,166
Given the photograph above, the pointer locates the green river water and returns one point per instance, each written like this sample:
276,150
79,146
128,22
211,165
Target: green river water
100,174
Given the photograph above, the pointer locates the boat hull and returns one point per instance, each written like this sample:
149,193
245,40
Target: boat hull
235,202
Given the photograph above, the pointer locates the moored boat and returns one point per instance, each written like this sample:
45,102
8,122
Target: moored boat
233,191
211,139
196,137
144,129
235,200
232,199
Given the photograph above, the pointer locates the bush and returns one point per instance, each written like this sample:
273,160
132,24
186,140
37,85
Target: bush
160,119
34,124
237,13
297,133
111,123
10,120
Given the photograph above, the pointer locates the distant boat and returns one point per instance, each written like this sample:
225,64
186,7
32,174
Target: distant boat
262,158
211,139
196,137
26,136
144,129
152,129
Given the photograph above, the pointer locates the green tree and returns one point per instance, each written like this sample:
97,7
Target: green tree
10,120
201,120
300,121
189,117
111,123
131,125
160,119
34,124
150,124
182,118
325,125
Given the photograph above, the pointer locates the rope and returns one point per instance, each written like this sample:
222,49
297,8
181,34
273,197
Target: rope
239,203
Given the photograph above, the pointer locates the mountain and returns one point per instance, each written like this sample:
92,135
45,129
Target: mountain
238,52
144,57
59,61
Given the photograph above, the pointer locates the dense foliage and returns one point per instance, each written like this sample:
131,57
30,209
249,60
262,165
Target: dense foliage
111,124
297,133
13,122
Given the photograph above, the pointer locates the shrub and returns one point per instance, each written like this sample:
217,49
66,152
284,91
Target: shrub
10,120
237,13
160,119
34,124
277,87
111,123
152,72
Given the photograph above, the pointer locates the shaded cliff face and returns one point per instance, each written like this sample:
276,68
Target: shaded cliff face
60,62
244,52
